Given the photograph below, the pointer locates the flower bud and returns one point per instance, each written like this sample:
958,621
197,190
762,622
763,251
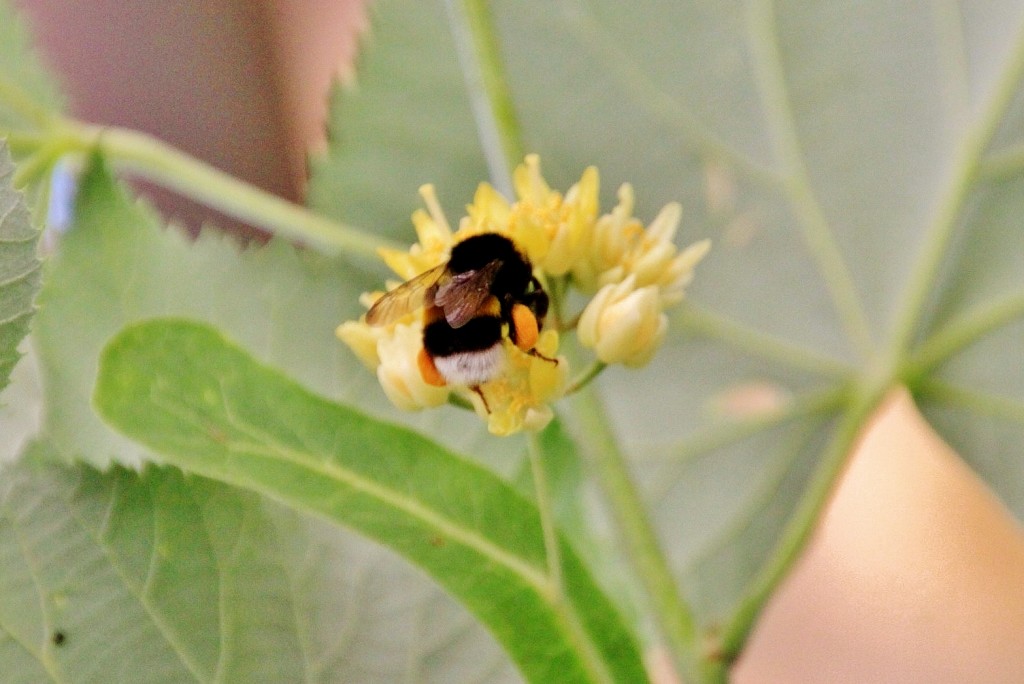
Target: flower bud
624,324
621,247
362,339
679,272
399,373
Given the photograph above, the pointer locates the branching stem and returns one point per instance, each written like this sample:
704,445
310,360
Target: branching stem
547,516
967,165
487,86
818,235
141,155
756,343
962,332
584,378
672,614
145,157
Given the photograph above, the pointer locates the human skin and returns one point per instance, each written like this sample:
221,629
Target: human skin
915,574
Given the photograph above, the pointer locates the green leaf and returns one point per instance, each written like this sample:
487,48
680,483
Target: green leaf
117,265
609,113
565,473
975,396
148,577
21,407
580,514
19,268
858,170
404,121
186,392
859,173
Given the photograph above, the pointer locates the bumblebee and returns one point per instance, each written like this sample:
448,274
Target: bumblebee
485,291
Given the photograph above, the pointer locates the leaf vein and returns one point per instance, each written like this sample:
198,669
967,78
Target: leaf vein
984,403
163,629
967,168
650,96
33,567
266,445
818,236
964,331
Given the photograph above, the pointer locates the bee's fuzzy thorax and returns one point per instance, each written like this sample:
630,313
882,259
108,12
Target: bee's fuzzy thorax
476,251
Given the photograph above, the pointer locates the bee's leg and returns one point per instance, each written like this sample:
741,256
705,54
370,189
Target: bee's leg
537,300
534,352
480,393
428,370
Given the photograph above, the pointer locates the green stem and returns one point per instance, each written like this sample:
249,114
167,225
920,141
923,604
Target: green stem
584,378
716,672
756,343
146,157
1004,164
460,402
25,142
938,391
38,163
967,165
960,333
501,137
487,81
547,515
149,158
487,85
674,618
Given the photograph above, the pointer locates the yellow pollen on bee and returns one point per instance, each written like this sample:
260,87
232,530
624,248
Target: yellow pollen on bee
525,324
428,370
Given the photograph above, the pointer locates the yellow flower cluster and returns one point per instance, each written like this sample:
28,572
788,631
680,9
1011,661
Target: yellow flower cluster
633,272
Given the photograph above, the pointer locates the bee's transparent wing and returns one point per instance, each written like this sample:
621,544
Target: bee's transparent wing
464,294
407,297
